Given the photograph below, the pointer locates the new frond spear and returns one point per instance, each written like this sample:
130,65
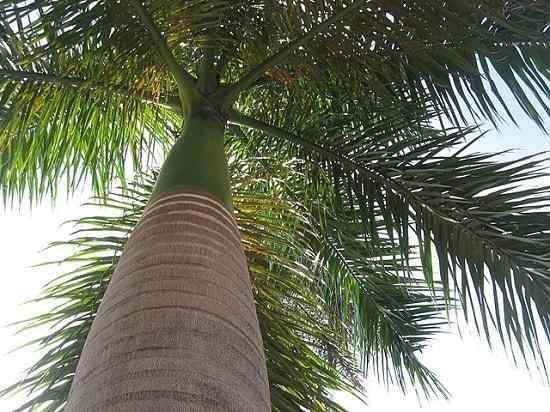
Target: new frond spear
218,305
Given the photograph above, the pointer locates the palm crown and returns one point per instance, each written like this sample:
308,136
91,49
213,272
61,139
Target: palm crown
378,218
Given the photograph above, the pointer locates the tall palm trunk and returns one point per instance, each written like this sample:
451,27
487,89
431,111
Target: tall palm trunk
177,329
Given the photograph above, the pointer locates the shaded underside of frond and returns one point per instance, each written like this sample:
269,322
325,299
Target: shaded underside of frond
398,51
460,55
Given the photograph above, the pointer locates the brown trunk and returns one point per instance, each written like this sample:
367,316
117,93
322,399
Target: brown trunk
177,329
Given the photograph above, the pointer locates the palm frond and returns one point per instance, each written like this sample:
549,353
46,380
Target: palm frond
116,29
57,129
421,54
489,233
390,316
450,54
393,316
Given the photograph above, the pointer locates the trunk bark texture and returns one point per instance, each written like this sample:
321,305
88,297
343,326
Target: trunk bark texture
177,329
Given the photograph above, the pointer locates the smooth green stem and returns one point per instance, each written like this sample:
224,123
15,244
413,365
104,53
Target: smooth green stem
197,161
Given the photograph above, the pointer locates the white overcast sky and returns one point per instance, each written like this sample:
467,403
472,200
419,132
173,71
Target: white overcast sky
479,380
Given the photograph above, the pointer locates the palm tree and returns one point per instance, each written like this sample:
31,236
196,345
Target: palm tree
328,109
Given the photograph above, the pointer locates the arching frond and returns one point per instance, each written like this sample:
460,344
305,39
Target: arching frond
489,232
57,128
369,290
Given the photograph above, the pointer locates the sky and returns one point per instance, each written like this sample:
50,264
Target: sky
479,379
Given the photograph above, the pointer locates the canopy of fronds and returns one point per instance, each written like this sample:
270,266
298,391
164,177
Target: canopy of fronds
337,101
